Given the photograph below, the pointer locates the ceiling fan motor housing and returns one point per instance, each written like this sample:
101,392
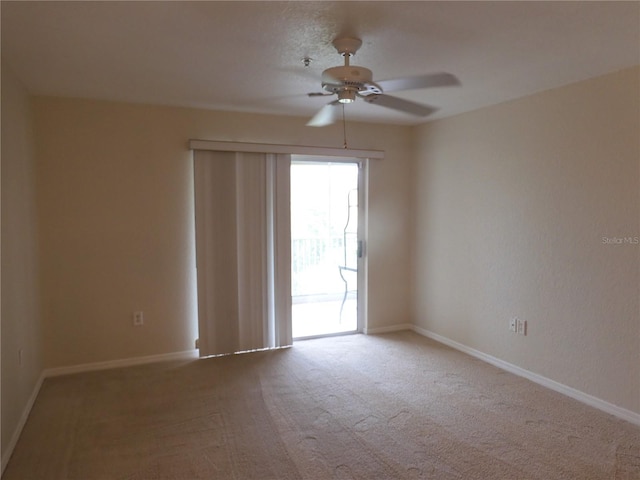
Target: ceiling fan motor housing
336,79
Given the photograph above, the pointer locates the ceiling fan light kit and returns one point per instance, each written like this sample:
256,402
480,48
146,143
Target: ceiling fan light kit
351,81
347,95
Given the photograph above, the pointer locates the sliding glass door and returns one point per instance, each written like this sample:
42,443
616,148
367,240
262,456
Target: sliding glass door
326,245
280,244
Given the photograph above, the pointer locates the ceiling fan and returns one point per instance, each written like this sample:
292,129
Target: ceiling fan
350,81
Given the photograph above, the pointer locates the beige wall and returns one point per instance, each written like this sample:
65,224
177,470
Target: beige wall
116,220
20,294
512,204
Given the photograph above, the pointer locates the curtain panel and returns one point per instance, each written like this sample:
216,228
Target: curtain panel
243,252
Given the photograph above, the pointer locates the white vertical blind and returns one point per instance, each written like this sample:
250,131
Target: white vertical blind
242,251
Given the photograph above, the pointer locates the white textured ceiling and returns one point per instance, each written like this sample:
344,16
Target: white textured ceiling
247,56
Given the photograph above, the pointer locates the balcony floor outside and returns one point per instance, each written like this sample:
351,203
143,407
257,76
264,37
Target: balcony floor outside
320,315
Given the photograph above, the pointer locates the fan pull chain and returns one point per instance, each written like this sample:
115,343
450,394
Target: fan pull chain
344,128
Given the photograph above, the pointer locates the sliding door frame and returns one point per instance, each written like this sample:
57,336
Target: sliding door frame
363,212
357,156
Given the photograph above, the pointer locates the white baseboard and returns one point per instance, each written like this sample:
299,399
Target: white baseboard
392,328
87,367
590,400
21,423
125,362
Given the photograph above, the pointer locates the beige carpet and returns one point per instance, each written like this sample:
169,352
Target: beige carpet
394,406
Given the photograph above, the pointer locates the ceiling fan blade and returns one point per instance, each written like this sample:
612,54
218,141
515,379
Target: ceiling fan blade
420,81
325,116
400,104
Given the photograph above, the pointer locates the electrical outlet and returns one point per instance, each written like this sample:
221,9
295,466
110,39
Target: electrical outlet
521,327
138,319
513,324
